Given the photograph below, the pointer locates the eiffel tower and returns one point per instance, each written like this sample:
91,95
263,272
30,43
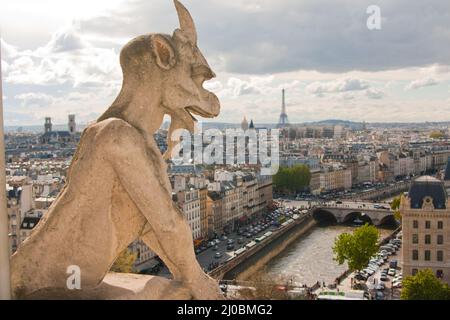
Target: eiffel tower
283,122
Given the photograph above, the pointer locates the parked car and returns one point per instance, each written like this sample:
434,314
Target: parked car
218,255
215,248
369,271
360,276
393,264
384,277
391,272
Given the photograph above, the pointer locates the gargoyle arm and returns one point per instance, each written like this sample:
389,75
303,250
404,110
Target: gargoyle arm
140,175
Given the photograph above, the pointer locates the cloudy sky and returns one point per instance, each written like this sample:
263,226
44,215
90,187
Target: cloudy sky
61,57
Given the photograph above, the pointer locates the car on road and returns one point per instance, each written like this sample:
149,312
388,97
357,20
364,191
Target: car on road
230,246
397,278
215,248
218,255
360,276
240,241
369,271
393,264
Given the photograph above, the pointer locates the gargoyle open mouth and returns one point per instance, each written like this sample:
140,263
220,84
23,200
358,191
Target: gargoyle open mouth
194,110
210,110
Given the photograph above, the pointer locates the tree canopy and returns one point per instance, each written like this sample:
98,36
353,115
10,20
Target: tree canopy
395,205
124,262
424,286
293,179
437,135
357,248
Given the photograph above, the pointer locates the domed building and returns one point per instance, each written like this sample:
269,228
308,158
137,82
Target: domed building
425,211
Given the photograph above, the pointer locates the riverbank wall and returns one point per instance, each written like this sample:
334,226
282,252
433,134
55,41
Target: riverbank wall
243,266
252,266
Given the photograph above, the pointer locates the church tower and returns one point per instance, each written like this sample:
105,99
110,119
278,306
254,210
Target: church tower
72,125
244,124
48,124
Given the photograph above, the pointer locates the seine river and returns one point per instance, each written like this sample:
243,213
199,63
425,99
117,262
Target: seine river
310,259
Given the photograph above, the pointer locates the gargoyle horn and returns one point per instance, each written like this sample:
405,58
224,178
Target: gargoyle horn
187,25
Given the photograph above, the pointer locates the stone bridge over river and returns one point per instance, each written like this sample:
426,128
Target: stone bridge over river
347,212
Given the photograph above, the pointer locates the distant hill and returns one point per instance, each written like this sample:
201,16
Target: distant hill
225,125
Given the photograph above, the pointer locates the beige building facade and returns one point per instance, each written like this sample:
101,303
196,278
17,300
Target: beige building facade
426,228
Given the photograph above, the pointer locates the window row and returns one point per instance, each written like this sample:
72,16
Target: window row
427,255
440,224
427,239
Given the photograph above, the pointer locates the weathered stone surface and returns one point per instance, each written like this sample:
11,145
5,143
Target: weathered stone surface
117,187
120,286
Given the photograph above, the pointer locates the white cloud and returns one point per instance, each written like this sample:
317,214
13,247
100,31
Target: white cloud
8,51
318,88
66,58
420,83
33,99
373,93
437,69
255,85
253,54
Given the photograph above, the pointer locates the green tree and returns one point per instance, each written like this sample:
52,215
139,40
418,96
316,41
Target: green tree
356,249
424,286
437,135
292,180
124,262
395,206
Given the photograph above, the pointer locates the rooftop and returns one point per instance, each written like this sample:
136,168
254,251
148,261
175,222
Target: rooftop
427,186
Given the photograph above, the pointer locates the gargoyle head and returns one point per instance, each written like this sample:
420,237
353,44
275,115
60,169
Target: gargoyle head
172,70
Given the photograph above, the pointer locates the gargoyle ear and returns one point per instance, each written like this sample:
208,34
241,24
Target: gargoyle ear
164,52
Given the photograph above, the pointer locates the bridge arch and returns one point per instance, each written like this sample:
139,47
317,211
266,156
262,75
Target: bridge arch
324,216
388,220
350,216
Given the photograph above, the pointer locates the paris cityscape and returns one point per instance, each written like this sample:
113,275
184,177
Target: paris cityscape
352,201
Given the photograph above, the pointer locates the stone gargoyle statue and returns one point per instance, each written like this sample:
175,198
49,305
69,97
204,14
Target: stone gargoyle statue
117,188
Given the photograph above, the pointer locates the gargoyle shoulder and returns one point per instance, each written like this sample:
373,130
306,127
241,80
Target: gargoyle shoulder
117,133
